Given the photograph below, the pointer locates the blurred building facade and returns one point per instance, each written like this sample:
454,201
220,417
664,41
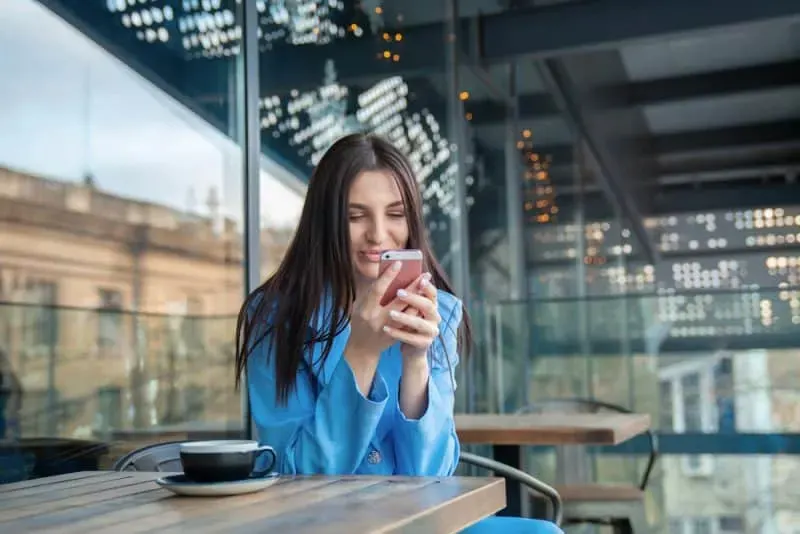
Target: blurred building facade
132,294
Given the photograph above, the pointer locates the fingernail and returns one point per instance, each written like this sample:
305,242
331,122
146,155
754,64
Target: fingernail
424,283
394,314
426,277
396,266
386,329
402,293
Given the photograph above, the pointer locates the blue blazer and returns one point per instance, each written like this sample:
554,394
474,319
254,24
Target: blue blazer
333,429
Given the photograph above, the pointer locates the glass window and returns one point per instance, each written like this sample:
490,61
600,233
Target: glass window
120,194
675,526
702,525
692,403
725,395
666,407
731,524
109,318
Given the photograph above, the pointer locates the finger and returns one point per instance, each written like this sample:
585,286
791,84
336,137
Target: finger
392,324
423,304
410,338
382,283
418,283
398,304
429,290
415,323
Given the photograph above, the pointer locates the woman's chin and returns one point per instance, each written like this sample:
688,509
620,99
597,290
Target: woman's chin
368,271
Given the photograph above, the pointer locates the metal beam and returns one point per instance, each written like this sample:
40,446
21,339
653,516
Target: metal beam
610,174
725,196
689,198
515,216
459,222
730,175
652,92
247,78
736,139
571,27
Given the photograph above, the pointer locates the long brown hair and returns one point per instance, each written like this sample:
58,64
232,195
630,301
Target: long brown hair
318,265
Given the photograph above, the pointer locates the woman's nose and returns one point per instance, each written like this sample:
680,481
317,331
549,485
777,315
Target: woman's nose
377,232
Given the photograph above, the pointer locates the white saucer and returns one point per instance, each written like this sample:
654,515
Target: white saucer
180,485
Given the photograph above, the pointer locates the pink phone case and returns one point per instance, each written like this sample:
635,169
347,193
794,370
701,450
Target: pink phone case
410,271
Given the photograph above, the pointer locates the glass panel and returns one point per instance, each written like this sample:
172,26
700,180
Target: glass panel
121,265
728,406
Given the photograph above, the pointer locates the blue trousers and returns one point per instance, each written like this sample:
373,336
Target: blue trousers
512,525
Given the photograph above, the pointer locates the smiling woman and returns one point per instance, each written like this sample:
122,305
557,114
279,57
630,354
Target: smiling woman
339,383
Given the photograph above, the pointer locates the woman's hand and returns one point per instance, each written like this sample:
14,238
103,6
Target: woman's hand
367,336
415,321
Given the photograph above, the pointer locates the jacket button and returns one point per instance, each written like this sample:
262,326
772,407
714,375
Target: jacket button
374,457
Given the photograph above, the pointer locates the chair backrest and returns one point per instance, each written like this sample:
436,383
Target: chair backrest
157,457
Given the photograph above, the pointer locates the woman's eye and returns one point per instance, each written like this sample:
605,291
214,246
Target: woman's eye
356,216
397,215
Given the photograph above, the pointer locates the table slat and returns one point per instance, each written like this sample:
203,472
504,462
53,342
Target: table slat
47,481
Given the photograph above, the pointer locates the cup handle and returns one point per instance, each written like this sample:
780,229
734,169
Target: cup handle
267,470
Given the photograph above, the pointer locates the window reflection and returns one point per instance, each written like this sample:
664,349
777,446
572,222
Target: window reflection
121,258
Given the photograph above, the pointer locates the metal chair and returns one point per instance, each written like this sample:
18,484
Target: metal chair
621,507
158,457
534,485
166,457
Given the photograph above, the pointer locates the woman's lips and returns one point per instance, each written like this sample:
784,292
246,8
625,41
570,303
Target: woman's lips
373,256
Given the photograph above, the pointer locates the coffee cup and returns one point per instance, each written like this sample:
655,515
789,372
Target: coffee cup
224,460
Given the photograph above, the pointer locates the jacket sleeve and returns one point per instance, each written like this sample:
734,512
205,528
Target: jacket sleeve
429,446
322,429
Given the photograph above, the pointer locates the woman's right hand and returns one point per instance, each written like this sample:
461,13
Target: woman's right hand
367,337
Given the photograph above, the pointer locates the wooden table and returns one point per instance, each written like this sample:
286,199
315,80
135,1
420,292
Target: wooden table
126,502
508,433
551,428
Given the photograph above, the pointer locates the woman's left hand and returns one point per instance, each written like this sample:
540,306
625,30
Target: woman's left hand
418,325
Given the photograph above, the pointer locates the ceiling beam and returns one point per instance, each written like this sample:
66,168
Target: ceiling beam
733,137
736,138
570,27
733,174
680,197
652,92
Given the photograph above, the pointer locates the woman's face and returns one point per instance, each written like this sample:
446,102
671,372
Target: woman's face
377,219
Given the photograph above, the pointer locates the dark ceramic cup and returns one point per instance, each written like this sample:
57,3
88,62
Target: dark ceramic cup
224,460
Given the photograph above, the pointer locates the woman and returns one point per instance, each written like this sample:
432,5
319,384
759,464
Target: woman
337,383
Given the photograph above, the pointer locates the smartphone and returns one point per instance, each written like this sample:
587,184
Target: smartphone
411,269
